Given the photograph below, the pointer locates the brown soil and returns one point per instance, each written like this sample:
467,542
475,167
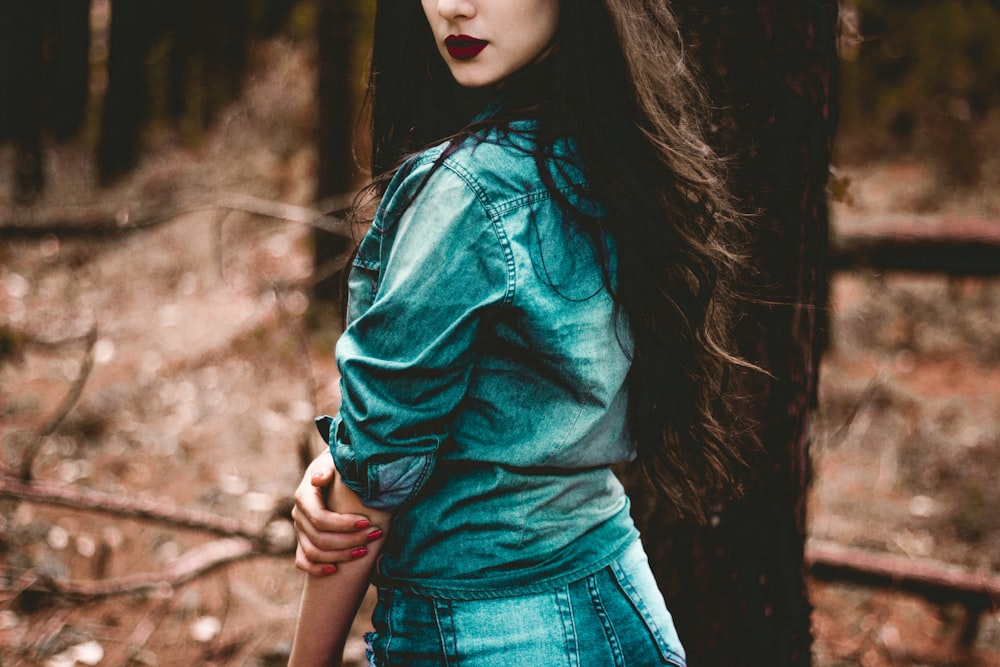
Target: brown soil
208,350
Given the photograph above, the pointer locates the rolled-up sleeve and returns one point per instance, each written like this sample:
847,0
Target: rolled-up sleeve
407,358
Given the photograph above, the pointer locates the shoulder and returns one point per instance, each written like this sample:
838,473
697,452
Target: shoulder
500,167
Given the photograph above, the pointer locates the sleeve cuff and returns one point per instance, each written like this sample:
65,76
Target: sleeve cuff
343,455
381,486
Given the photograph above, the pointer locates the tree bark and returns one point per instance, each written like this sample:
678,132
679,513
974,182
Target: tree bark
737,586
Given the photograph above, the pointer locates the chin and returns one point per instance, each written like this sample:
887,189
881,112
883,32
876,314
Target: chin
474,84
474,79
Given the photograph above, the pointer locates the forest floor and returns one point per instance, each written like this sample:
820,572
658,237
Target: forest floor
906,447
179,364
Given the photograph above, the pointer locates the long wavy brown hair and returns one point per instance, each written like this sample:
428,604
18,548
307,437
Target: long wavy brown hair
619,84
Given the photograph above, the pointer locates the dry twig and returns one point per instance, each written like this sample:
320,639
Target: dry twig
97,222
923,576
937,582
138,508
193,564
69,400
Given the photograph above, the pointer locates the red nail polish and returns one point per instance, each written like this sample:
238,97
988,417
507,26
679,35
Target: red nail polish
359,552
329,569
364,523
375,534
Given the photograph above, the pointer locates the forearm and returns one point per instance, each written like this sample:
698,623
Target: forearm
328,607
329,603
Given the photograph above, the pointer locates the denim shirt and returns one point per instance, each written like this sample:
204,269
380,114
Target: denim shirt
483,374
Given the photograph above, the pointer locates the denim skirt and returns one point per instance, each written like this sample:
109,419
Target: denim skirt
615,617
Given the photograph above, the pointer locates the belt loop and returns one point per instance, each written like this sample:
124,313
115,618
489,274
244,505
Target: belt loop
444,616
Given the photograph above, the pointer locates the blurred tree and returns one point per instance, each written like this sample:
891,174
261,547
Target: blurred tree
71,66
44,69
21,75
125,101
207,57
336,30
919,76
275,16
737,586
201,50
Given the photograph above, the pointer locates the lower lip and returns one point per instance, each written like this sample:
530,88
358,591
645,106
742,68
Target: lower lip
462,49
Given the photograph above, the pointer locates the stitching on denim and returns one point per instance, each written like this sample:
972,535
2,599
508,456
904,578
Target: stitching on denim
430,157
602,614
569,431
446,632
564,605
437,589
495,221
368,267
389,605
425,471
625,583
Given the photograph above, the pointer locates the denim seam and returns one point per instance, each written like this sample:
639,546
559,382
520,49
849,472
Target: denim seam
446,632
625,583
564,604
614,644
388,625
371,265
495,221
425,471
569,431
484,593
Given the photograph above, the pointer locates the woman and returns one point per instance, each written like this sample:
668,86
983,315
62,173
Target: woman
542,295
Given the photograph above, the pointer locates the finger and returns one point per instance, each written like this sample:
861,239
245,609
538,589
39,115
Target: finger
310,508
321,478
309,553
331,542
314,569
322,469
310,497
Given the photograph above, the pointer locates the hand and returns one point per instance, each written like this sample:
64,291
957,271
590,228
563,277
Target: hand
326,538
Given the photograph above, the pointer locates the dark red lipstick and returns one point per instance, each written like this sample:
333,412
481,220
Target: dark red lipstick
463,47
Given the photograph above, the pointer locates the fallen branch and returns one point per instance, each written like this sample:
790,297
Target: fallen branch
101,223
974,257
956,245
69,400
290,212
932,579
138,508
195,563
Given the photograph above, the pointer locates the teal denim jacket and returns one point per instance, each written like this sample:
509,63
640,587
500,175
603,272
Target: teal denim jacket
484,376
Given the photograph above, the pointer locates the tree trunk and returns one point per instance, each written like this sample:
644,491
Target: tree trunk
125,100
336,27
737,586
21,69
71,69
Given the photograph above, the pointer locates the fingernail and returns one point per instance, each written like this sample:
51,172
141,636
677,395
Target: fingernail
317,475
375,534
359,552
364,523
329,569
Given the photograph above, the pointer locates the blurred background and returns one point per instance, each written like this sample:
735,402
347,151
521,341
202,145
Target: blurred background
171,176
